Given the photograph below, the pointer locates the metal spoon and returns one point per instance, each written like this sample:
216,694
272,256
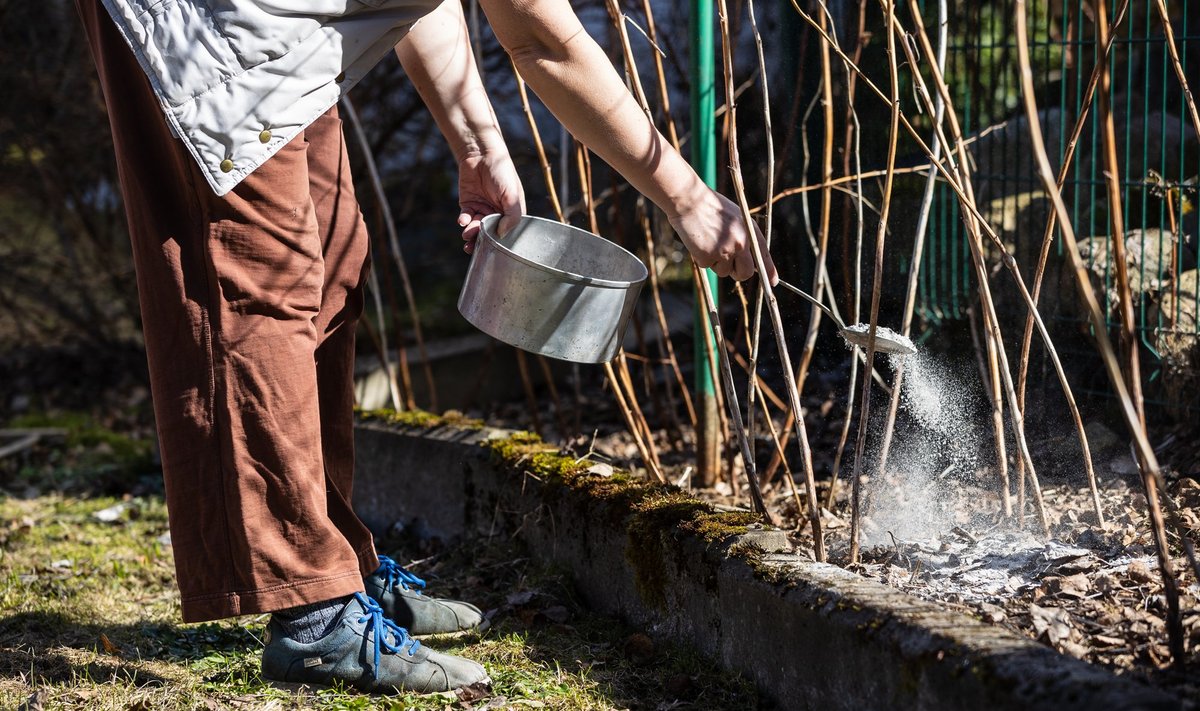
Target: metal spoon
886,340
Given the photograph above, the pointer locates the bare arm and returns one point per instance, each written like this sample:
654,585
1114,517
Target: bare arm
574,78
437,57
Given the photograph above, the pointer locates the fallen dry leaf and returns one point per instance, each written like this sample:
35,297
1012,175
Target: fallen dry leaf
1139,572
474,692
1075,586
556,613
1105,583
520,598
639,648
601,469
33,703
1053,624
992,613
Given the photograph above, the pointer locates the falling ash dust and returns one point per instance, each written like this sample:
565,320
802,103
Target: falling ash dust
937,442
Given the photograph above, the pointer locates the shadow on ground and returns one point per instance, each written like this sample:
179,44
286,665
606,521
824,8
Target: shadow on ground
37,647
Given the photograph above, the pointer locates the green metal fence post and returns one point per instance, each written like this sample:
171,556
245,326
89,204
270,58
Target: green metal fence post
704,160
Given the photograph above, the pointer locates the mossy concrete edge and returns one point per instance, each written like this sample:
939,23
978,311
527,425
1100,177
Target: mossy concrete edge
810,635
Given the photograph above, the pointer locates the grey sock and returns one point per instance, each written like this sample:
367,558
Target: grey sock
308,623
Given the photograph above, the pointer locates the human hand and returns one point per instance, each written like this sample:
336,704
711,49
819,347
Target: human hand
487,184
714,232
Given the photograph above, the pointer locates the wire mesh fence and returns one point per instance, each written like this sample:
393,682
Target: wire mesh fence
1157,150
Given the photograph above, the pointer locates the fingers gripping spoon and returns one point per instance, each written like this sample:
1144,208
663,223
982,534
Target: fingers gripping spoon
886,340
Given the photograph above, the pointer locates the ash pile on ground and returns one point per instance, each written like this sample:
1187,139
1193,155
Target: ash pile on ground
1090,592
932,524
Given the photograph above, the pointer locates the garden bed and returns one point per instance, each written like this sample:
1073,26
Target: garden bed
807,634
1090,592
932,526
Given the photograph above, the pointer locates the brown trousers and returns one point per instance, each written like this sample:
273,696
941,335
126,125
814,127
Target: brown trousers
249,304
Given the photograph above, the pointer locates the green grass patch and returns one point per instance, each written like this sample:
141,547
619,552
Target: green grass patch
89,457
91,620
83,431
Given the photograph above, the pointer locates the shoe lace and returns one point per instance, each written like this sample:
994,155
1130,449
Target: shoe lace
383,629
394,574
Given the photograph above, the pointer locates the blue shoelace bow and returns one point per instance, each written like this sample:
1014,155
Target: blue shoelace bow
382,629
394,574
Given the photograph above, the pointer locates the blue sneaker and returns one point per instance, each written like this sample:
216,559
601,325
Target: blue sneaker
398,592
369,652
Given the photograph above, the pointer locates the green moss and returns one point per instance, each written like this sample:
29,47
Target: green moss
653,524
748,551
104,448
420,418
527,451
716,527
753,554
611,497
652,513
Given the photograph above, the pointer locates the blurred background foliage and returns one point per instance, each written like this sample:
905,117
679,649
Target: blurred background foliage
68,302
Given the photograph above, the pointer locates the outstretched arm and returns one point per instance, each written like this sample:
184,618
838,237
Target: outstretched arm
437,57
574,78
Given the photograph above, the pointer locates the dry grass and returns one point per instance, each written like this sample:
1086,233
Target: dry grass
90,619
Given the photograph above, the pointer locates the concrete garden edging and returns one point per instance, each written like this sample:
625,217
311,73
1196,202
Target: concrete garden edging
810,635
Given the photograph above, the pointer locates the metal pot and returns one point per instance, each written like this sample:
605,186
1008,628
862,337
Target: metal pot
552,289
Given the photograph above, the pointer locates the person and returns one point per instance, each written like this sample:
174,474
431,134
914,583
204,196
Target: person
250,255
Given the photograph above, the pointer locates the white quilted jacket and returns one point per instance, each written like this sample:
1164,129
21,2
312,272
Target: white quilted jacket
239,78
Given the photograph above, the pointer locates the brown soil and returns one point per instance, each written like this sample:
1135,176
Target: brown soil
1089,591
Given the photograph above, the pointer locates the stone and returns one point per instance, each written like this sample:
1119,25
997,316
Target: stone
1100,437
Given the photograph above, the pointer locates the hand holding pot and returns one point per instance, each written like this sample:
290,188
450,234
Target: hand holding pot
714,232
488,184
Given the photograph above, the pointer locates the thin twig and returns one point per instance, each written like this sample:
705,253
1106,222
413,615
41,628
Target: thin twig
381,348
1044,258
756,498
631,425
22,443
765,285
1116,223
547,174
864,411
756,327
1151,473
1169,35
910,298
635,408
637,419
527,388
560,419
857,177
396,254
664,98
847,419
814,318
665,344
958,178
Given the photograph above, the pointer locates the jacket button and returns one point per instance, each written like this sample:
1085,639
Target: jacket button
226,165
340,78
265,136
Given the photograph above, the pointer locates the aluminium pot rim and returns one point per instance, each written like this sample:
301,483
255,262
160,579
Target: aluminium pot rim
484,229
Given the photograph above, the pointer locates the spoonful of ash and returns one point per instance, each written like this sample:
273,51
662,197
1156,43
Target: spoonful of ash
886,340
